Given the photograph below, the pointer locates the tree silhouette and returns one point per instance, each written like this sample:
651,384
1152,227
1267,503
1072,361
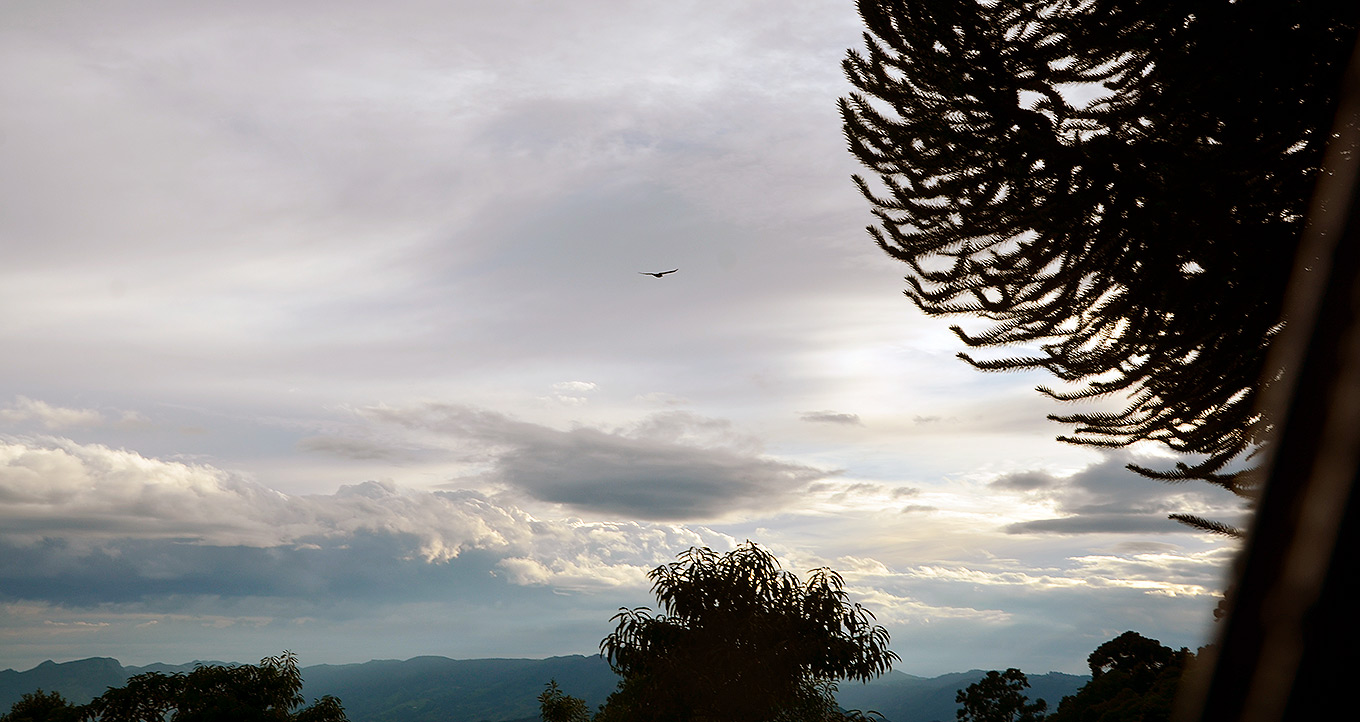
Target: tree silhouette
557,706
42,706
1129,654
1135,245
740,639
999,697
1132,678
267,692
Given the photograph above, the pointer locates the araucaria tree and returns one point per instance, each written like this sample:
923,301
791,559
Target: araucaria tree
1120,187
738,638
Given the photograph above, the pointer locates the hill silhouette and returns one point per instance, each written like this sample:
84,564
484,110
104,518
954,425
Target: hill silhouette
426,689
903,697
439,689
79,681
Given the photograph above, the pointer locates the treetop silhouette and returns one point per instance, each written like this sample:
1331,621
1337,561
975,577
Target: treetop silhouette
267,692
737,638
999,697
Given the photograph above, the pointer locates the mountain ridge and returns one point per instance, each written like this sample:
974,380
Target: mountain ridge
432,688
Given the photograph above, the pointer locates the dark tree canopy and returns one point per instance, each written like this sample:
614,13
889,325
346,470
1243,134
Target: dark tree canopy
267,692
42,706
1132,678
738,638
1139,243
1130,653
999,697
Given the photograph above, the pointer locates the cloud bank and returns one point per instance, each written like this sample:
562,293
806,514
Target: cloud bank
672,466
118,520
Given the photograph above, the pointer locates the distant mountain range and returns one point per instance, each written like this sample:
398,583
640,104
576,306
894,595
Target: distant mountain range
439,689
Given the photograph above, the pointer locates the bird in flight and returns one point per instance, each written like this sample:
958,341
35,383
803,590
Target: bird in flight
658,275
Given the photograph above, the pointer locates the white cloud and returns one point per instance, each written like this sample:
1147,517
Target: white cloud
24,409
894,609
992,578
55,487
579,387
574,575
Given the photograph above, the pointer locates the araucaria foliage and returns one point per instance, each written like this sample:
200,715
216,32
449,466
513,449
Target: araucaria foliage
1120,187
738,638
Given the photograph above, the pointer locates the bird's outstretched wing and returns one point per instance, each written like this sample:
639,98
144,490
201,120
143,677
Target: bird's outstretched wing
658,275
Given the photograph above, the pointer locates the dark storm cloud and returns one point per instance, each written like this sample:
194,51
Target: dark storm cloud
671,466
832,417
1109,498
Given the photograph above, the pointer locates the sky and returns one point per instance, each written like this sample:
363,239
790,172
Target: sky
324,329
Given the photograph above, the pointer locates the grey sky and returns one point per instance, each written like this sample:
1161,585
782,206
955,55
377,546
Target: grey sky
324,330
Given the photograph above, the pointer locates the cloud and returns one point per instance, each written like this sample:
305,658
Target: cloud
1108,498
659,398
56,487
51,417
86,522
831,417
671,466
1111,576
905,610
358,448
1025,481
1099,524
131,540
572,393
590,469
846,494
1165,571
1116,576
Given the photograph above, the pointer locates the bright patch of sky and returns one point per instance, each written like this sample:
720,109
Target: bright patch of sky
326,331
